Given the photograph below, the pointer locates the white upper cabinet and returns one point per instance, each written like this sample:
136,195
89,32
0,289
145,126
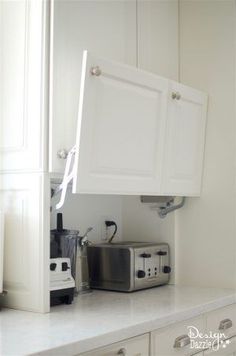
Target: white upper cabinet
121,122
132,137
137,133
184,141
107,28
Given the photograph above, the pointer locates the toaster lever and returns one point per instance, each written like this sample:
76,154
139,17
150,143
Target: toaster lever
145,255
166,269
161,253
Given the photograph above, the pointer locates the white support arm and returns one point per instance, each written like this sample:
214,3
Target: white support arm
69,175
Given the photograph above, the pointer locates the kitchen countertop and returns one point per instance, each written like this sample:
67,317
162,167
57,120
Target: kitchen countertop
102,318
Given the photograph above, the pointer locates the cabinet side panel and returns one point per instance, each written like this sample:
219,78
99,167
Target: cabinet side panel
26,252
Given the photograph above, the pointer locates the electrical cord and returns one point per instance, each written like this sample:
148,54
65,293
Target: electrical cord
108,224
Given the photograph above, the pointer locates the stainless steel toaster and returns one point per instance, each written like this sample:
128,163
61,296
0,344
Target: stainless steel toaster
128,266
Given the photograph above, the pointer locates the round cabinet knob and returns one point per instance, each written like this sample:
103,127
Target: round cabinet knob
166,269
62,154
96,71
178,96
141,274
122,352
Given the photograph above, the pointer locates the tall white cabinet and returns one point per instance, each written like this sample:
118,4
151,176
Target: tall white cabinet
23,85
24,182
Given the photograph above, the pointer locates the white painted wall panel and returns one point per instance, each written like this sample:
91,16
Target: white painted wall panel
158,37
81,211
206,227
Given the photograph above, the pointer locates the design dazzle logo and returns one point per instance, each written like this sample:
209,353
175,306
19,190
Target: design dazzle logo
212,340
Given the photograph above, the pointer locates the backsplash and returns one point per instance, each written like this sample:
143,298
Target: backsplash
81,211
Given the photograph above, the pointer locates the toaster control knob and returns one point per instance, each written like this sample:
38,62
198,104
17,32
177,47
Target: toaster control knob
141,274
64,266
53,266
145,255
166,269
161,253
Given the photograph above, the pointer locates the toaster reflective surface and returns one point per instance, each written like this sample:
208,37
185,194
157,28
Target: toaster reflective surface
128,266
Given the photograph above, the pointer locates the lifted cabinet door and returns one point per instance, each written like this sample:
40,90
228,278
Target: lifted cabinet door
184,142
120,130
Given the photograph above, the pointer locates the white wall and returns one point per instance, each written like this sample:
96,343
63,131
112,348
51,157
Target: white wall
206,227
82,211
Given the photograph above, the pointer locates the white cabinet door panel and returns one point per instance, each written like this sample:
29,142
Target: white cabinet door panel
107,28
184,143
23,41
23,198
120,129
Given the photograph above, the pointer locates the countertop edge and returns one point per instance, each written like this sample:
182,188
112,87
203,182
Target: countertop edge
93,343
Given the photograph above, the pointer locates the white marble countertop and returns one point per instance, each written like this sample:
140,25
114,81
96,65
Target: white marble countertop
102,318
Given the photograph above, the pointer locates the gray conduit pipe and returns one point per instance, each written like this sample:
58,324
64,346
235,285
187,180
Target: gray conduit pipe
164,210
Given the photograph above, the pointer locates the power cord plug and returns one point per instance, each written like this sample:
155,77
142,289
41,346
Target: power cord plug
109,223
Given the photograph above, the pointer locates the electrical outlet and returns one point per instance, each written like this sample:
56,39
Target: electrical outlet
106,232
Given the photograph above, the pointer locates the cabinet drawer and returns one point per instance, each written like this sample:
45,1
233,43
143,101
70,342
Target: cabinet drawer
228,349
222,321
173,340
137,346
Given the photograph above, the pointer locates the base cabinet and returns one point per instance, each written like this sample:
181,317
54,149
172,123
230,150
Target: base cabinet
137,346
186,338
25,234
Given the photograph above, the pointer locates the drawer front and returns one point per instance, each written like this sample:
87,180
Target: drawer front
137,346
223,350
173,340
222,321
